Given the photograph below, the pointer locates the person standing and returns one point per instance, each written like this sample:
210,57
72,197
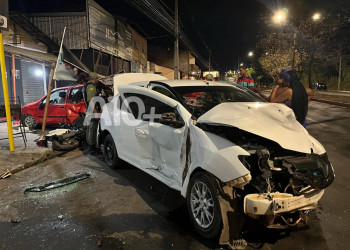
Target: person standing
91,91
290,91
245,80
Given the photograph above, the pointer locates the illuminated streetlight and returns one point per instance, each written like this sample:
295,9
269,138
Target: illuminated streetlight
241,64
316,16
250,54
280,16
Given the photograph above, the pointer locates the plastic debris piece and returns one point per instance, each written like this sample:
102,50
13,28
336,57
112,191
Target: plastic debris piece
99,242
6,174
16,220
58,183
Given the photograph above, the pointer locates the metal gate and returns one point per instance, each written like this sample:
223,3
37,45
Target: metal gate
32,81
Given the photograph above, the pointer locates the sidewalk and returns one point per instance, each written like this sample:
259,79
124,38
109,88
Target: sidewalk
339,98
333,97
23,157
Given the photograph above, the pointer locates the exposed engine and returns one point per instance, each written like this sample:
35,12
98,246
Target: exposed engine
274,169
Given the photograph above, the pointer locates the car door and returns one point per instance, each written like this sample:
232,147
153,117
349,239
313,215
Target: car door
57,107
75,103
160,147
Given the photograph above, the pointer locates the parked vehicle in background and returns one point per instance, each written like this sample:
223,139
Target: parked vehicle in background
319,86
64,107
227,151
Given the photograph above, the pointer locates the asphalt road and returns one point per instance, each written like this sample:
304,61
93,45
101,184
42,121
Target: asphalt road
127,209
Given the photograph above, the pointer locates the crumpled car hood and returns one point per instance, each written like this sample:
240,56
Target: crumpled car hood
273,121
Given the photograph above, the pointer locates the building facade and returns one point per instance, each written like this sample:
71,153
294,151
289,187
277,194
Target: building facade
27,65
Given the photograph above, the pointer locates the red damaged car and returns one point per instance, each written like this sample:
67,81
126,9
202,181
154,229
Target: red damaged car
65,105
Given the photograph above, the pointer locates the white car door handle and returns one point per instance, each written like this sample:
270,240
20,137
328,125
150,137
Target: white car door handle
140,132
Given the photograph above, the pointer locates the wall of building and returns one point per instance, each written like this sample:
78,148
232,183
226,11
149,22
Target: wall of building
31,65
165,56
139,51
16,36
52,24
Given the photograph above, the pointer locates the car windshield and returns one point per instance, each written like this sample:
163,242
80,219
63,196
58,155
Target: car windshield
201,99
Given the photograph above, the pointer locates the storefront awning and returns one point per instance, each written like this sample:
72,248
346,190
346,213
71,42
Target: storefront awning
31,55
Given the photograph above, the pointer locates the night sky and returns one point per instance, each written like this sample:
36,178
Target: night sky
227,27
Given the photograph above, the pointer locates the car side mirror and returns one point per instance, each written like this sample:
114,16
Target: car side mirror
170,119
41,105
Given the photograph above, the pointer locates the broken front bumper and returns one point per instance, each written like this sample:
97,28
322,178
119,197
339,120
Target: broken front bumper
278,203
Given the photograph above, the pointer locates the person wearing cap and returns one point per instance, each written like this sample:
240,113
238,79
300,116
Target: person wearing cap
90,92
90,87
245,80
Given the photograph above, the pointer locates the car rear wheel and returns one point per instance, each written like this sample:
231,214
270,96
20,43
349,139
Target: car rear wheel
110,153
28,121
203,205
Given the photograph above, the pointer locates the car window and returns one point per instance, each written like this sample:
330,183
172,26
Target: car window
76,95
163,91
149,103
57,97
200,99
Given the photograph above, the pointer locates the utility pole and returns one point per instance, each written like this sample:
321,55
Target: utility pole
209,60
176,45
339,73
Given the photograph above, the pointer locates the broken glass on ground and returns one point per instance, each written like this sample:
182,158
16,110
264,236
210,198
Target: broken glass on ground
58,183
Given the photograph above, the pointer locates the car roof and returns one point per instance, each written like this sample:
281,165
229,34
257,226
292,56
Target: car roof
191,83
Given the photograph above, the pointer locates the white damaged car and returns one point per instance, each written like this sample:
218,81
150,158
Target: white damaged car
224,148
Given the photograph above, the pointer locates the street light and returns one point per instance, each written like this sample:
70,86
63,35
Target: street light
280,16
316,16
250,53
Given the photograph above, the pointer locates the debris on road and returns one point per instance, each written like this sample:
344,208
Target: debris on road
6,174
58,183
16,220
99,242
60,217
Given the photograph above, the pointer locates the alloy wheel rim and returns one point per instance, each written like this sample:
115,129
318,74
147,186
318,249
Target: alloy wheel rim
202,204
29,121
109,151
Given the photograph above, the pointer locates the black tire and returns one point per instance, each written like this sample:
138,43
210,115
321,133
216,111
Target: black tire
28,121
66,145
207,229
110,153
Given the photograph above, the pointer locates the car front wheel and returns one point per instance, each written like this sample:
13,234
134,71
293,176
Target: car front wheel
203,205
28,121
110,152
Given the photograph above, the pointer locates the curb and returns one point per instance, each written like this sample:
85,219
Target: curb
341,104
44,157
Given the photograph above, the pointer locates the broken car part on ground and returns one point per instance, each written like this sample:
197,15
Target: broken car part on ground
58,183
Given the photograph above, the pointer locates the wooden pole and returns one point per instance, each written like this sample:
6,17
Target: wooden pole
48,97
14,79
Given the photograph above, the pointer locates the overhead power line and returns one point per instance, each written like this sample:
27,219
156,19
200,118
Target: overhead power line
156,12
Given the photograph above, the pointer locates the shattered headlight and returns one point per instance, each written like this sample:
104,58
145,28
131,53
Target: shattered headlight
316,170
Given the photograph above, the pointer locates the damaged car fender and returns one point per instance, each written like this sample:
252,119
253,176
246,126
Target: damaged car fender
215,155
219,156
